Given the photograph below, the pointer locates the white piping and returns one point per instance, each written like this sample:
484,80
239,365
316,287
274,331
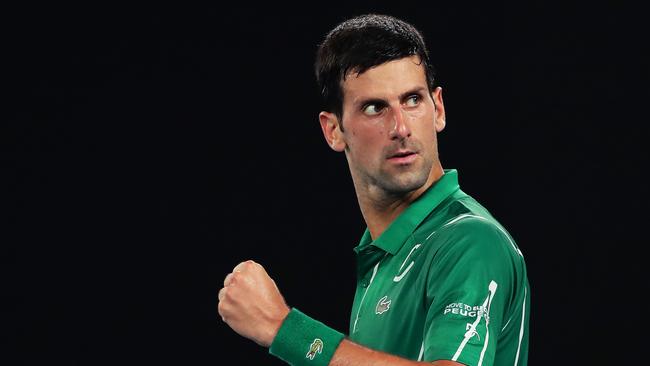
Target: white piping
508,322
483,218
472,330
399,277
421,352
521,329
493,289
374,272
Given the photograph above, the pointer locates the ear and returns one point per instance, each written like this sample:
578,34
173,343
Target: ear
331,127
440,118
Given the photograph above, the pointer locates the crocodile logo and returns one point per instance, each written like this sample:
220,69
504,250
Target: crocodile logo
383,305
316,347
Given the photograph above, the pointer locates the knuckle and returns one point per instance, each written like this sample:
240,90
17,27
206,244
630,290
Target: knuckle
242,266
221,310
234,277
229,295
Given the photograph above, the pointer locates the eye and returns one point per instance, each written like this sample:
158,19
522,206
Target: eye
413,100
372,109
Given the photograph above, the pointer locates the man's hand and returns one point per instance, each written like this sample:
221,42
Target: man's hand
251,304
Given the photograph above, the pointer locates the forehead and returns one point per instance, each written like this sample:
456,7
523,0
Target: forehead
384,81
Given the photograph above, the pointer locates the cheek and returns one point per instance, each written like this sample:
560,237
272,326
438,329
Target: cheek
422,121
367,137
366,144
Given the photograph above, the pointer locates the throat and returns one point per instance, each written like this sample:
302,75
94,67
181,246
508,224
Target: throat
379,214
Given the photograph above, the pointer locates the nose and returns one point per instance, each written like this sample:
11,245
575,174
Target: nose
400,127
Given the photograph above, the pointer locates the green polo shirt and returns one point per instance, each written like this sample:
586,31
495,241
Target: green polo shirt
444,281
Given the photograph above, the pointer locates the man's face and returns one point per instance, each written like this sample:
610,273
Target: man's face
389,125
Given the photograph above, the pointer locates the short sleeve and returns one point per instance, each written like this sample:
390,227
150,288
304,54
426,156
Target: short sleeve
469,287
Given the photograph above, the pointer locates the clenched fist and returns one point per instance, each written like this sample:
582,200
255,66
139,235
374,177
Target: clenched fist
251,304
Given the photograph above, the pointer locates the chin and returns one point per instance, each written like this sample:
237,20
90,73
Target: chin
404,184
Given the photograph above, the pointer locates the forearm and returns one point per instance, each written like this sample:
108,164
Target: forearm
252,305
351,354
302,340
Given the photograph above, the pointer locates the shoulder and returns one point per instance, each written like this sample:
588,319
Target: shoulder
470,223
462,225
473,239
473,249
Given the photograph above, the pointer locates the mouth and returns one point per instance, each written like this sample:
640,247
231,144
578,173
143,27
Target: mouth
401,153
402,157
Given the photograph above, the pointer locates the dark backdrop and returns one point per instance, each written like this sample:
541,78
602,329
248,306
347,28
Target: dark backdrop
149,150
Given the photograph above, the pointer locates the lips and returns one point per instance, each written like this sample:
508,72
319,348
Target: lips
402,157
401,154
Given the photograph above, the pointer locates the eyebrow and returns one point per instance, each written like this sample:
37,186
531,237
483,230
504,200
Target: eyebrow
417,90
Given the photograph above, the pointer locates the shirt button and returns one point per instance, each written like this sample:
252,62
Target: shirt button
364,283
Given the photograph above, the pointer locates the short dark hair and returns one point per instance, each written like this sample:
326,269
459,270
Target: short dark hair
361,43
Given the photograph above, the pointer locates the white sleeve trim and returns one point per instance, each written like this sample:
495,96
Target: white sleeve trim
472,330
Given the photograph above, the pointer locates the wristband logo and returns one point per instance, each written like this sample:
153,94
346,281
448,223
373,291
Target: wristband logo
316,347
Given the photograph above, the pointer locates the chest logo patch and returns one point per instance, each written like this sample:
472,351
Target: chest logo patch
383,305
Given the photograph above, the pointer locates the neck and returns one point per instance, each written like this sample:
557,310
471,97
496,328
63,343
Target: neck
381,208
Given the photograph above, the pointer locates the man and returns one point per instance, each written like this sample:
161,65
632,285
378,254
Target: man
439,279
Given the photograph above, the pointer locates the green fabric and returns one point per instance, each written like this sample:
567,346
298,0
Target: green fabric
444,281
302,340
393,238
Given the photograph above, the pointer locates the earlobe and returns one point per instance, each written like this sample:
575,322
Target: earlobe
440,124
439,106
330,125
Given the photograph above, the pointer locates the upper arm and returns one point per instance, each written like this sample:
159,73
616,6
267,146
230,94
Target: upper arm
469,286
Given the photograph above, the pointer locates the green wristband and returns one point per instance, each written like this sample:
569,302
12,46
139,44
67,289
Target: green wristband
302,340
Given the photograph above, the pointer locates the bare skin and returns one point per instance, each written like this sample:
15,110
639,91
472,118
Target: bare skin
389,136
388,111
251,304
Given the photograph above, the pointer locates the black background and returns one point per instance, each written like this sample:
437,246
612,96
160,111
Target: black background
148,150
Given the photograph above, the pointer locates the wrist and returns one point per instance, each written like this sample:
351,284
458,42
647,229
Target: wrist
273,329
301,340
